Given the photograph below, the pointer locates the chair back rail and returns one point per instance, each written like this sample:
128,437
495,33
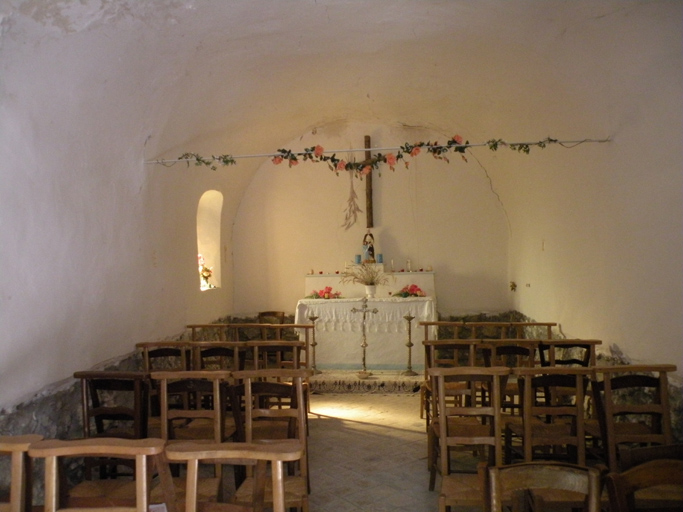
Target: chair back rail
114,396
484,329
553,395
453,425
20,494
205,398
136,449
563,352
613,389
221,355
504,484
622,487
258,412
237,453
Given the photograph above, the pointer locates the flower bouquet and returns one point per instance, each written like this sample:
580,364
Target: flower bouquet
325,293
365,273
410,290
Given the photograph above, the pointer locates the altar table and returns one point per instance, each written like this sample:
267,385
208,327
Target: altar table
339,331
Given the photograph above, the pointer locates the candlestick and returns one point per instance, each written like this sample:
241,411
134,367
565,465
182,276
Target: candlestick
409,371
314,343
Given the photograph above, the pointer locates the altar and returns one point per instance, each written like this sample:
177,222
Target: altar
339,331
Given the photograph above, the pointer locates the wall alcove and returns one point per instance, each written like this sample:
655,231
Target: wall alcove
209,239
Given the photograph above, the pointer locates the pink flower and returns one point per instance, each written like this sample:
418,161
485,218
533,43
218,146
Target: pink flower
391,159
415,151
341,165
318,152
457,139
293,162
366,170
277,160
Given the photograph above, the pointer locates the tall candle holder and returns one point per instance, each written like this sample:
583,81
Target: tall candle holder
409,371
314,344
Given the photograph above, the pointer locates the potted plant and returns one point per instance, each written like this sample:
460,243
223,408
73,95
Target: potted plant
366,274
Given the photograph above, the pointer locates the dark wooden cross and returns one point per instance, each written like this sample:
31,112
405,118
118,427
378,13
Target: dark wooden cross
368,186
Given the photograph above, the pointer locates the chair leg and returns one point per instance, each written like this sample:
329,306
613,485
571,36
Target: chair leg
432,447
508,446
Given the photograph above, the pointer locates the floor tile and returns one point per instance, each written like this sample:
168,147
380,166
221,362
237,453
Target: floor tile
368,453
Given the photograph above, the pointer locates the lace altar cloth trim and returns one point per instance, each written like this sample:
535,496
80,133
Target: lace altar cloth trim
338,315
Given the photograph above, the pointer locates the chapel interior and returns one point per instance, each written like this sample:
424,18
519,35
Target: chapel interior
538,179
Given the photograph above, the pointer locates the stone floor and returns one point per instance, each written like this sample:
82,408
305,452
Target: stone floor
368,453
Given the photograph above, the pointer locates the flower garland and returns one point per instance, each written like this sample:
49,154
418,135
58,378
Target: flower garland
317,154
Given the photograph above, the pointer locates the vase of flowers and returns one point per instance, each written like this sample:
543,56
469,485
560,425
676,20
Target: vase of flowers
366,274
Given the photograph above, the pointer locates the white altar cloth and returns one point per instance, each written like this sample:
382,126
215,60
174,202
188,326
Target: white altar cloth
339,331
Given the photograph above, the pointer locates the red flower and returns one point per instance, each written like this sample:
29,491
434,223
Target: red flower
293,161
415,151
457,139
341,165
318,151
366,170
277,160
391,160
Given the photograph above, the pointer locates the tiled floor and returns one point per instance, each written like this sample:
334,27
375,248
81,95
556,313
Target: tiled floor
368,453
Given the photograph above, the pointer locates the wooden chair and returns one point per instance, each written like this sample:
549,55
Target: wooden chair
276,353
238,453
509,330
131,497
513,353
297,487
163,356
632,405
662,480
200,413
468,424
630,457
114,404
270,317
542,486
444,354
553,412
21,491
221,355
208,332
565,352
283,355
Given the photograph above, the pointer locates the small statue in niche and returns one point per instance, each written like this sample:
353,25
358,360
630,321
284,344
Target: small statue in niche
204,273
368,248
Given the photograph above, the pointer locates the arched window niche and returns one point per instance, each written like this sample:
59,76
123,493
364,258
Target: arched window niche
209,239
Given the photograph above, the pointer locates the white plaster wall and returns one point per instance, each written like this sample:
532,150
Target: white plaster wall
97,250
597,231
433,213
